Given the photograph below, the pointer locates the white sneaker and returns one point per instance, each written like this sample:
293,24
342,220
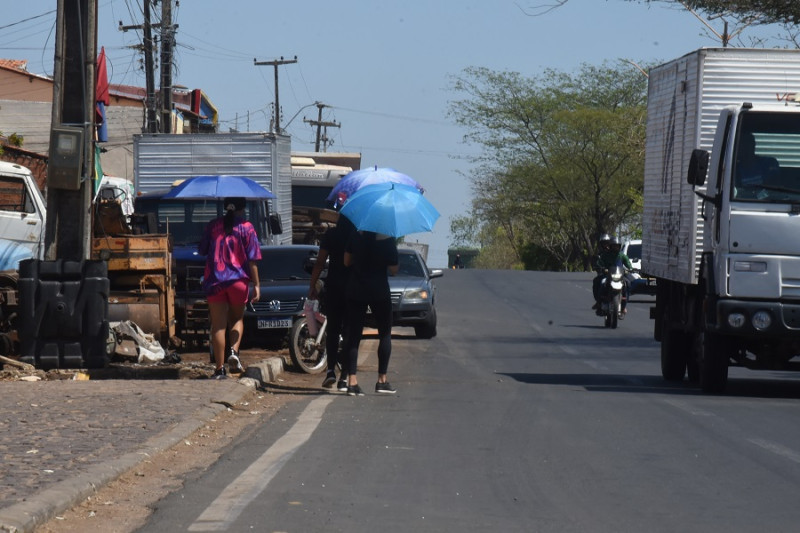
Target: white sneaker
234,364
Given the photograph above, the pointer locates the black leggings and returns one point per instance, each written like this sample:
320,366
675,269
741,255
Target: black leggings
334,309
356,317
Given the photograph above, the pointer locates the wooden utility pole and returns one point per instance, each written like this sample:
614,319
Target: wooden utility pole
71,161
275,64
167,41
151,124
319,123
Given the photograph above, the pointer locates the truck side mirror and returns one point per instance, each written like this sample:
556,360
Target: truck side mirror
698,167
275,225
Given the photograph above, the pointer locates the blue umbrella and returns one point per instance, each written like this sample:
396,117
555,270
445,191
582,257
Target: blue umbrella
390,208
356,179
201,187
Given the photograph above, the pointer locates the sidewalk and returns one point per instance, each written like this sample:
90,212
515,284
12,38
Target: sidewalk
62,440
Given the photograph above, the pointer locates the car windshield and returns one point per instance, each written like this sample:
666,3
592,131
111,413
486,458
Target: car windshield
284,264
409,265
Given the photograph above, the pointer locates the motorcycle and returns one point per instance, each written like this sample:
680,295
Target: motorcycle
612,294
307,350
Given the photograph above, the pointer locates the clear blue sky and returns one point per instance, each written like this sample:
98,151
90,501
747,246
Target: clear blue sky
384,67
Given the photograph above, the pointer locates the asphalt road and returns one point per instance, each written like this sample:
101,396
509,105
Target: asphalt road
523,414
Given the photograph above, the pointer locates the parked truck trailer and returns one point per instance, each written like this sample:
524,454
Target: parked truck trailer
162,159
722,235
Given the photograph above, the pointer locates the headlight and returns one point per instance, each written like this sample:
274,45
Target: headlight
736,320
415,294
761,320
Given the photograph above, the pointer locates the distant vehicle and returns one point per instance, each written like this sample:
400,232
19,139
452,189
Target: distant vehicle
638,283
633,249
414,294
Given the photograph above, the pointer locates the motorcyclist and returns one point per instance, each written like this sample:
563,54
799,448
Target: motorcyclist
608,255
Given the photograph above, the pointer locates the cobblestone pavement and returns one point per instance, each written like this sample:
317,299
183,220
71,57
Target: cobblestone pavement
52,430
60,439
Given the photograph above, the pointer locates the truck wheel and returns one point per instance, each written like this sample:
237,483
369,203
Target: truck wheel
674,348
304,351
714,354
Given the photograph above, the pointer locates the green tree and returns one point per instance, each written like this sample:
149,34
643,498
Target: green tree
562,157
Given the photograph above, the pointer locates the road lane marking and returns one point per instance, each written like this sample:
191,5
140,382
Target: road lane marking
223,511
777,449
688,408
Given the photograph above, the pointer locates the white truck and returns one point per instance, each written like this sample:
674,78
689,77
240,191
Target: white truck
22,216
721,218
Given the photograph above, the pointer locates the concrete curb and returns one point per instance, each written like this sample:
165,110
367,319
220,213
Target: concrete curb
26,516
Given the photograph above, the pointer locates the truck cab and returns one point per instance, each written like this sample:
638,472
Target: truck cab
22,216
185,221
748,305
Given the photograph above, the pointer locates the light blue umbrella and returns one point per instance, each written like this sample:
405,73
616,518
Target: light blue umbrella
353,181
390,208
223,186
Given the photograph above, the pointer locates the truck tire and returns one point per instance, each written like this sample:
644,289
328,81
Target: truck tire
714,354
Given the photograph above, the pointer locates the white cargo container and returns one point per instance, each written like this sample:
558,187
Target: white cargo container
726,253
161,159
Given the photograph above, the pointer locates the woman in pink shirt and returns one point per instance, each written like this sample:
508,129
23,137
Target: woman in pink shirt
231,247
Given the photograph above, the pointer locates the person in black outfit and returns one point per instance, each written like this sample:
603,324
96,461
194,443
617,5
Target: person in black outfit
331,248
371,257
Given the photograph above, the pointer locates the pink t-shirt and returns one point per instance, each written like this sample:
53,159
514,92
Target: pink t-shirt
227,255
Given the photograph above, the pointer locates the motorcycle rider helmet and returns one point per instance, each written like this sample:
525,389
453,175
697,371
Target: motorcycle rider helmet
615,245
605,241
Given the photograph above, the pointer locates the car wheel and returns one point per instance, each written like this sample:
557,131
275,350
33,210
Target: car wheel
427,331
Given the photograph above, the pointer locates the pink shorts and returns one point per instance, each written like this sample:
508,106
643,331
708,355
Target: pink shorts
234,294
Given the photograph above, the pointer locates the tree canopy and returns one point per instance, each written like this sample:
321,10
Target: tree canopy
561,163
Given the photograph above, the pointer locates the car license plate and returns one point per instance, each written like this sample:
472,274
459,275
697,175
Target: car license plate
274,323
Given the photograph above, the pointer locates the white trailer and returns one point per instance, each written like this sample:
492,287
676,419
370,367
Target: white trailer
161,159
725,252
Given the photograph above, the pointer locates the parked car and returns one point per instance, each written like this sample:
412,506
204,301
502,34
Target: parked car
414,294
284,283
284,286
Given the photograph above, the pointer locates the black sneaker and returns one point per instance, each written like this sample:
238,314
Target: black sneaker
384,388
220,373
234,364
341,386
330,379
354,390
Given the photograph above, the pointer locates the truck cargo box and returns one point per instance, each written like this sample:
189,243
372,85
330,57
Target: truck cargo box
160,159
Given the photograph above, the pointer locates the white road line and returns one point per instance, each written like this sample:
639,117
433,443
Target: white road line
777,449
688,408
244,489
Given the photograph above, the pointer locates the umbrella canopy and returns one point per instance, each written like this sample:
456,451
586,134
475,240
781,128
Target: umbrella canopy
201,187
356,179
390,208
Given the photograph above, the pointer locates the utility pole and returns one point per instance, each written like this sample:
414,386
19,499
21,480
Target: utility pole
71,161
275,64
319,123
151,125
167,41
